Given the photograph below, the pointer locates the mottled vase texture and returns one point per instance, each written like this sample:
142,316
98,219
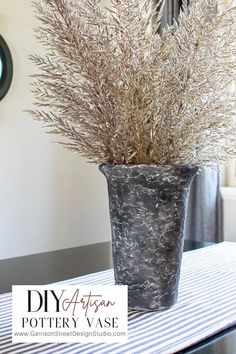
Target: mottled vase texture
148,210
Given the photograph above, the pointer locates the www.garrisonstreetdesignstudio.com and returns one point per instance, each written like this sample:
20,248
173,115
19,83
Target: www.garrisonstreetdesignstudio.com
72,333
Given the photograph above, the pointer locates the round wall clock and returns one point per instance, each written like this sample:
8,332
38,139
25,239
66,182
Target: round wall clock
6,68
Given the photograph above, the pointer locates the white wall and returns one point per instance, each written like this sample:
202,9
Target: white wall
50,198
229,212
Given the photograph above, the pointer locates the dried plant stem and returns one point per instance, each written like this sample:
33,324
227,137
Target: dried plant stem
118,92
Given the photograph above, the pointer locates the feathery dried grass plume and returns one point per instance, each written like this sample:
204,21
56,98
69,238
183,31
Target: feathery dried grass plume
120,93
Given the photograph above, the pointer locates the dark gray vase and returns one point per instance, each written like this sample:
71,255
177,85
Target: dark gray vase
147,211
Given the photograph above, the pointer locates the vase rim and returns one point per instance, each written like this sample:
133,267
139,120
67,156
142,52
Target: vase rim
112,165
151,169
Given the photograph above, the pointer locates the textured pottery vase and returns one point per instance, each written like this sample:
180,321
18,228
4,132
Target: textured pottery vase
147,211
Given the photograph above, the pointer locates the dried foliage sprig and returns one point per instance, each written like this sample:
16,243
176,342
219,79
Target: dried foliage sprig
121,93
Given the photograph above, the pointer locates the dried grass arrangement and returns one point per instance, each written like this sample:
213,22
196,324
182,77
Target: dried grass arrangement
120,93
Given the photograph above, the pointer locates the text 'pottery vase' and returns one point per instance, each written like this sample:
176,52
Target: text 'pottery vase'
147,211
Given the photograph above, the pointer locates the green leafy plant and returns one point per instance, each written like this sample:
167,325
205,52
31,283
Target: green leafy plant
118,92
